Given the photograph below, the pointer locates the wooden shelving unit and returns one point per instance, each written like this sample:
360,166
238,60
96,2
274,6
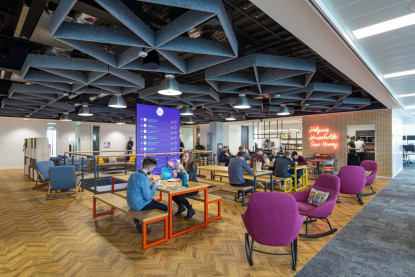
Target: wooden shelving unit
37,149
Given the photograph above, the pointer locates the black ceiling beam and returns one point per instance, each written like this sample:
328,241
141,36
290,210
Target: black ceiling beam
253,19
33,16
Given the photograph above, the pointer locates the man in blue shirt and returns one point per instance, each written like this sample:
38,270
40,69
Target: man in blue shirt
236,173
140,191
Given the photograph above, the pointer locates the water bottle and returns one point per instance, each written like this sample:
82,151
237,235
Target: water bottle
184,179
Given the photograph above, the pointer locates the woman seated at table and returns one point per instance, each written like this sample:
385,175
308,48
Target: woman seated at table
186,166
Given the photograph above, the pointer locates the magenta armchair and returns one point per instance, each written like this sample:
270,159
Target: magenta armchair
352,180
370,166
272,218
327,183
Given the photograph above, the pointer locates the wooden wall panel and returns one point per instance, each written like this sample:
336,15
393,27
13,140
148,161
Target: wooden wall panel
382,119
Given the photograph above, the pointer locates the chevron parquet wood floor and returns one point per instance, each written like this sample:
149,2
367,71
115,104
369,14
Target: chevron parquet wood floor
40,237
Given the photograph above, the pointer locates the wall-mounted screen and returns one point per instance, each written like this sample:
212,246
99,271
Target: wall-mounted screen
158,131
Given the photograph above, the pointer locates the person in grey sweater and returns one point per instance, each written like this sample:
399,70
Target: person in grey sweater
236,169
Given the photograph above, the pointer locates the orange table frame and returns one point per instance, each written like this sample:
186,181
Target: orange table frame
170,206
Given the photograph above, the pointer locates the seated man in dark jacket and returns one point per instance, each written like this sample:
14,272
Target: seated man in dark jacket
258,156
299,160
236,173
281,165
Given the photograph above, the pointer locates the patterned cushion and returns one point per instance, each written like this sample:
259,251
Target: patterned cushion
368,173
317,197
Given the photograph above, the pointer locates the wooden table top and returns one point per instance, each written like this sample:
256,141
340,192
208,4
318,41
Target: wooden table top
166,186
225,169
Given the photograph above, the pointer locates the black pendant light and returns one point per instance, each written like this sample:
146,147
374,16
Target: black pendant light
242,102
230,117
84,111
283,110
152,60
65,117
169,86
118,102
186,111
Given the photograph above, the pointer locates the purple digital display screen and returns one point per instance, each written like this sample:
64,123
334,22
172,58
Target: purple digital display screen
158,131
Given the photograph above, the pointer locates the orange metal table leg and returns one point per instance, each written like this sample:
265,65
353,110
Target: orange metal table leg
144,232
219,210
160,197
94,209
171,234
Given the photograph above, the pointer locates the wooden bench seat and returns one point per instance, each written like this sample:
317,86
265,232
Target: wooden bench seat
227,186
211,199
119,202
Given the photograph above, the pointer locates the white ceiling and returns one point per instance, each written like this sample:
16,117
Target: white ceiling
314,31
387,52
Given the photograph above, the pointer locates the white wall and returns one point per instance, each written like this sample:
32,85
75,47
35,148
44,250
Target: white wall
117,135
84,132
186,134
13,131
232,137
204,130
397,133
351,129
408,130
65,132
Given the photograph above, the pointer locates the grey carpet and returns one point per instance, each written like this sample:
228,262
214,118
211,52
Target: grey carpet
378,241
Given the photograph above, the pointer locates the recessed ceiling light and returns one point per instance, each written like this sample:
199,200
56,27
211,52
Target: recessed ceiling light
410,107
385,26
399,74
406,95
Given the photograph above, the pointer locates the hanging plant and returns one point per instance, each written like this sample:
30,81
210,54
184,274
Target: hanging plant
24,146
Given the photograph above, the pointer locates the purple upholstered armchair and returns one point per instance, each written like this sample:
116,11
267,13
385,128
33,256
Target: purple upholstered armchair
272,218
370,166
327,183
352,180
